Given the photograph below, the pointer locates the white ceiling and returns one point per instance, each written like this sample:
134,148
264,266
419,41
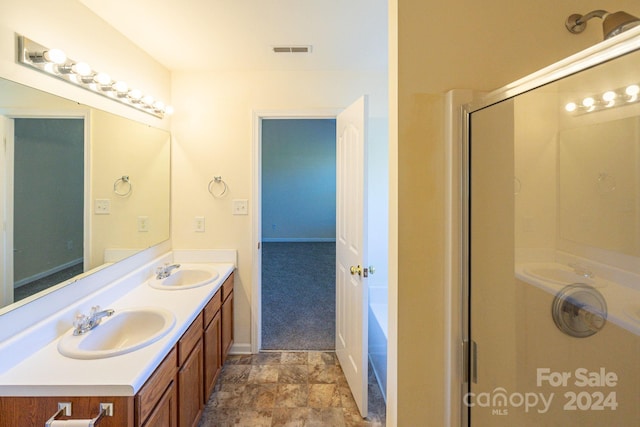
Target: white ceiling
346,35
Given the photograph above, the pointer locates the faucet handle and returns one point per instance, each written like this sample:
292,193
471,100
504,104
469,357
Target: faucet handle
94,310
79,321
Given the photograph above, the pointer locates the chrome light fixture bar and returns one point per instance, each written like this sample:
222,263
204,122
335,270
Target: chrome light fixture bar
54,62
606,100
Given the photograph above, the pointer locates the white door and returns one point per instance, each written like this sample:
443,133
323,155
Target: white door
6,211
351,243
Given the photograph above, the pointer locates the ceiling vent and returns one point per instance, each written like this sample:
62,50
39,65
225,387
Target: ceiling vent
291,49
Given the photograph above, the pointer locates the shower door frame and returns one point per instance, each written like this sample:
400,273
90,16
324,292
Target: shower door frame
607,50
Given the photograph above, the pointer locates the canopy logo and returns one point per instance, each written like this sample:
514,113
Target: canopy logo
499,400
592,395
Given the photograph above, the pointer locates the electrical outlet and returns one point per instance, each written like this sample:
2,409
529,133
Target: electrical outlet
143,224
102,207
198,224
240,207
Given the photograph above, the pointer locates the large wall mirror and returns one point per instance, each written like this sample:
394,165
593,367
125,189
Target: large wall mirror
80,189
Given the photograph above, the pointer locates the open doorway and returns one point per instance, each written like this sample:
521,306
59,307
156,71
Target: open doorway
44,203
298,171
377,156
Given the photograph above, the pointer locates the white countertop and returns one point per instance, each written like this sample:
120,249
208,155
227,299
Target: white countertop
48,373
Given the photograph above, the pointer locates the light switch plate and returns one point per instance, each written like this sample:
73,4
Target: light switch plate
102,207
240,207
198,224
143,224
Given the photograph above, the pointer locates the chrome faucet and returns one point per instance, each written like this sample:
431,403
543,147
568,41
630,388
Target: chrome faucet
83,324
581,270
164,272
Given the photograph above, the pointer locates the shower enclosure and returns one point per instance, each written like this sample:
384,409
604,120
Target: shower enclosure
552,245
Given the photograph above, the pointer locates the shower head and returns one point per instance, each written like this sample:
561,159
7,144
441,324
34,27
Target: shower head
612,23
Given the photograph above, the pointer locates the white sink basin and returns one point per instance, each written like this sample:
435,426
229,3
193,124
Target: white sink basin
633,312
125,331
559,275
187,276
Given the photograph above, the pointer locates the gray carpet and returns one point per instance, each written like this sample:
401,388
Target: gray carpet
298,296
43,283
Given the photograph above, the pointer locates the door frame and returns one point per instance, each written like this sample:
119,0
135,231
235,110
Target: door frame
256,232
12,114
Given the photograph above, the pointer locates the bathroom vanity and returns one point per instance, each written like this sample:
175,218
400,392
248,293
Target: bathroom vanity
164,383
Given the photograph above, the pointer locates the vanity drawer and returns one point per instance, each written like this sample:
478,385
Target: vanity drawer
212,307
227,287
189,340
153,390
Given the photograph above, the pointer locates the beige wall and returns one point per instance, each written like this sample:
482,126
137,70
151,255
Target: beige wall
121,147
441,46
536,127
213,135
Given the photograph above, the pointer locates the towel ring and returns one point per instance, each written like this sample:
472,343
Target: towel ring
123,181
218,180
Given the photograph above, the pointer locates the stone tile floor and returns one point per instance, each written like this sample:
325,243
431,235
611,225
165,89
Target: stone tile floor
288,389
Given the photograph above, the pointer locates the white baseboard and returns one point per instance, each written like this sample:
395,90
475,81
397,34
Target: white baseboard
240,348
49,272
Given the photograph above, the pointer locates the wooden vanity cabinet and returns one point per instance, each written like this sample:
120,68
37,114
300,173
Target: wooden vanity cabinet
212,344
165,413
157,400
36,410
227,317
173,396
190,375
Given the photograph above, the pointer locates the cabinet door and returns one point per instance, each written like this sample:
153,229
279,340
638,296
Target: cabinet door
190,388
227,326
165,413
212,355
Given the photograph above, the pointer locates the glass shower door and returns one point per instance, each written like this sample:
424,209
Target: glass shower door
554,255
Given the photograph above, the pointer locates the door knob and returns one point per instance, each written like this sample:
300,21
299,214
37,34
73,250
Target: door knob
356,270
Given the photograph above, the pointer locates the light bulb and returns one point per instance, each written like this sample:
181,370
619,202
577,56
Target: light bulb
588,102
632,90
81,69
158,106
135,95
102,79
571,107
609,97
120,87
55,56
148,100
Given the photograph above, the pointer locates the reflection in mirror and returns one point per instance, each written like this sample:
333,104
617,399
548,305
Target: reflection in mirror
67,207
580,169
48,202
598,185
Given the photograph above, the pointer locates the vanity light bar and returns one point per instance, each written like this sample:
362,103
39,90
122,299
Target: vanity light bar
609,99
55,63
